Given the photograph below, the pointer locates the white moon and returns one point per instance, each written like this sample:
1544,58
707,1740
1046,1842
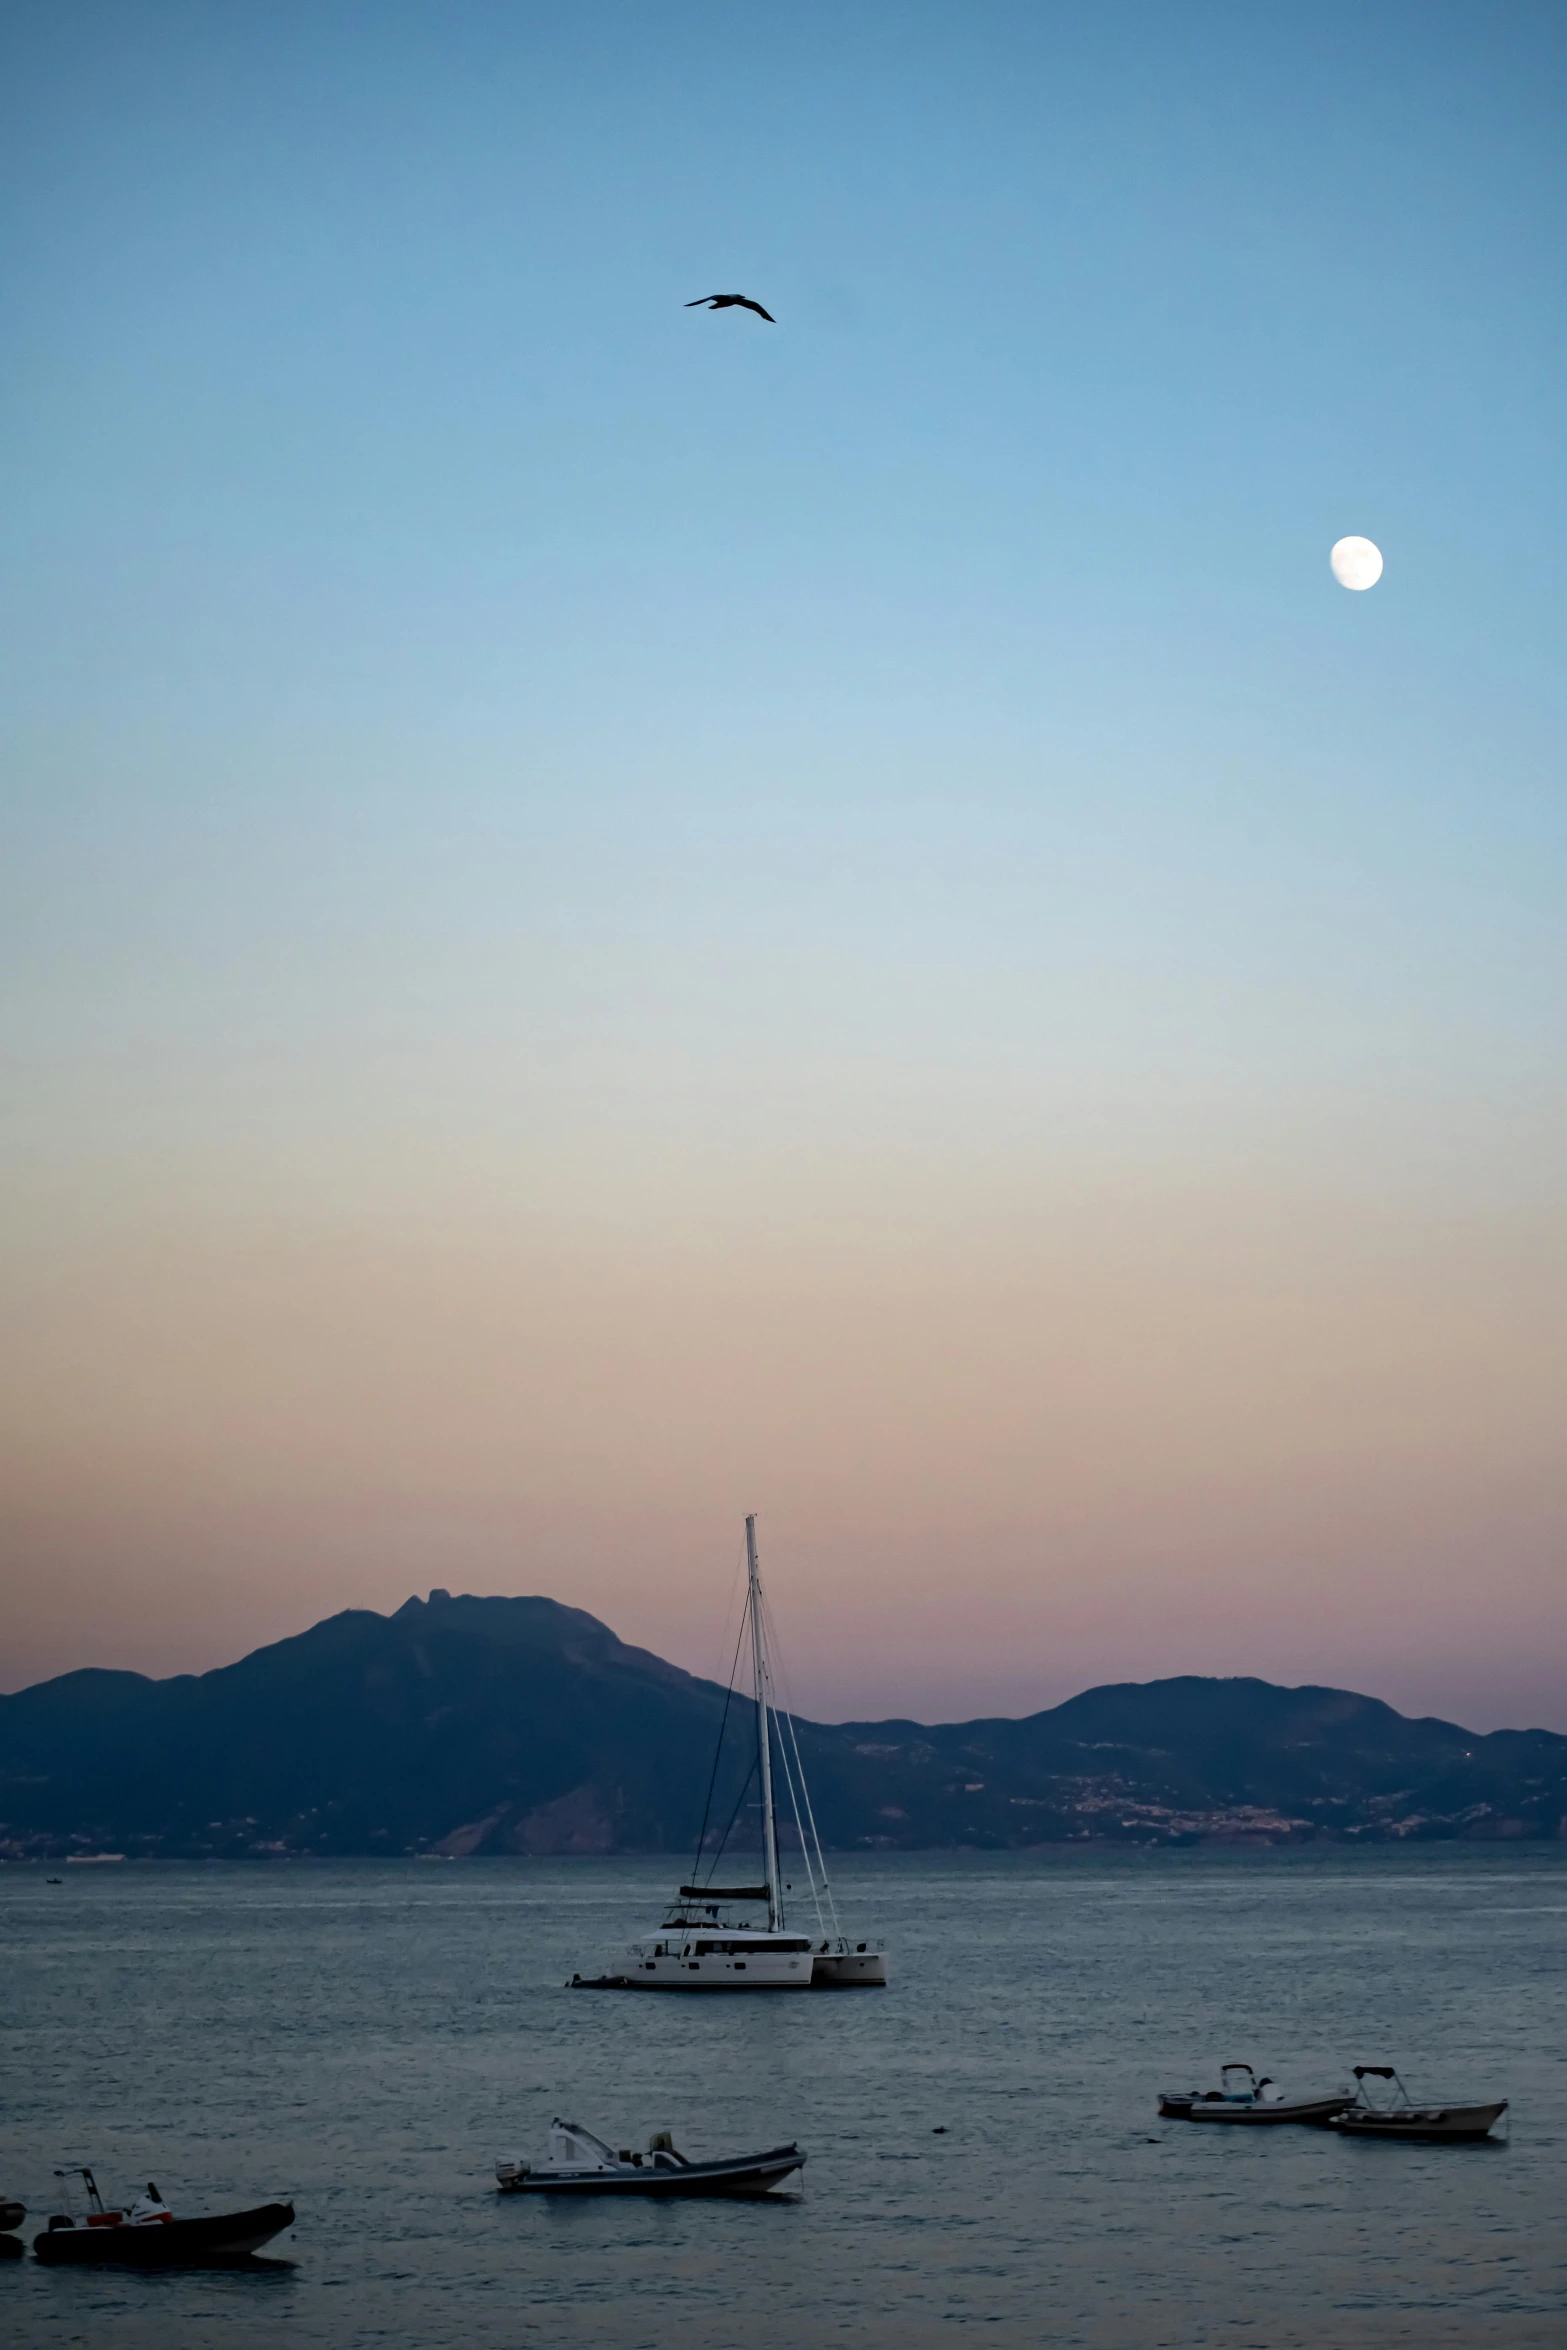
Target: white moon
1356,563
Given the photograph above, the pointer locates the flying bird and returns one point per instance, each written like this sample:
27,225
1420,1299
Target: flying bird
731,302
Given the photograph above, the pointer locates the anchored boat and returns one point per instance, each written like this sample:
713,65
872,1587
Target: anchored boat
147,2234
581,2164
1400,2117
702,1945
1241,2097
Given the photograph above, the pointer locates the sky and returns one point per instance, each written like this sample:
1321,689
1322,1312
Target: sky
612,915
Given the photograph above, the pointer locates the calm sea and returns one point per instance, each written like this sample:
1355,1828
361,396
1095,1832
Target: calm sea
364,2038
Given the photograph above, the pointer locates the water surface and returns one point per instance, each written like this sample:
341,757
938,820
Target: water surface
365,2037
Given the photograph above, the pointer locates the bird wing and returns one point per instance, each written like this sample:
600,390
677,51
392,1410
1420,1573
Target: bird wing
701,298
757,307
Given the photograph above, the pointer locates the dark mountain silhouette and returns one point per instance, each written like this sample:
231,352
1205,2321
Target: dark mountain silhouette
480,1725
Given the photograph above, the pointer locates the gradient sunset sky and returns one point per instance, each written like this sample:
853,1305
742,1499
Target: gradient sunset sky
614,915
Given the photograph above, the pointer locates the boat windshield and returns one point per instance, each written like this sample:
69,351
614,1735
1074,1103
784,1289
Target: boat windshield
574,2148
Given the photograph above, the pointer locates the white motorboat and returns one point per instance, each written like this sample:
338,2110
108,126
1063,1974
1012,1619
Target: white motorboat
581,2164
1400,2117
702,1945
1241,2097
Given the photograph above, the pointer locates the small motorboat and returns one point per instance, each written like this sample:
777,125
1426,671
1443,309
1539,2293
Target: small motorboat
11,2216
147,2234
1400,2117
580,2164
1241,2097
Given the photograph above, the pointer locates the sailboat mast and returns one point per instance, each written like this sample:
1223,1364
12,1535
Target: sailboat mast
764,1744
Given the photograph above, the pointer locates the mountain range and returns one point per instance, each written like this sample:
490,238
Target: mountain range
463,1726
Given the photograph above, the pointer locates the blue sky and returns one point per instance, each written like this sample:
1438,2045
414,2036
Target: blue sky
494,753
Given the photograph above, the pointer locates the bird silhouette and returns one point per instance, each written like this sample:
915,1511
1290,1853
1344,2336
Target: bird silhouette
731,302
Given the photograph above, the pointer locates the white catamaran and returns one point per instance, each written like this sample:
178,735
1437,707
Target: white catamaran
698,1948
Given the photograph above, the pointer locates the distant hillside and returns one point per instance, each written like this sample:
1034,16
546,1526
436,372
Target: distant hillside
518,1725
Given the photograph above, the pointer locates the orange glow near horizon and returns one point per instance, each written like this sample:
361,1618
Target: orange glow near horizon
1086,1440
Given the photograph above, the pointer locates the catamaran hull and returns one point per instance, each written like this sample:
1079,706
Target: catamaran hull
641,1982
722,1971
850,1970
752,2174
